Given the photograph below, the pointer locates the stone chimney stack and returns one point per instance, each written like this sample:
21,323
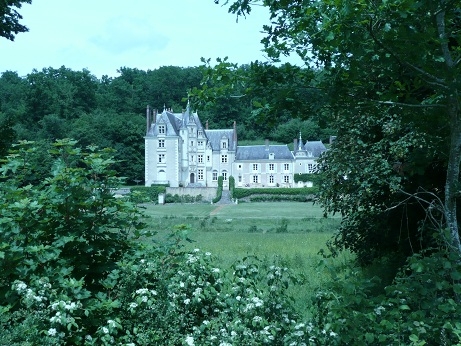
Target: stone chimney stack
295,144
266,142
206,125
235,133
147,119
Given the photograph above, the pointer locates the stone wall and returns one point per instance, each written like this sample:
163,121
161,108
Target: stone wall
208,193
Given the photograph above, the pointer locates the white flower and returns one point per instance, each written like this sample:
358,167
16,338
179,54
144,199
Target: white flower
190,341
257,318
208,253
299,326
105,330
332,333
20,286
111,323
142,291
181,284
52,332
196,250
133,305
216,270
186,301
238,298
154,292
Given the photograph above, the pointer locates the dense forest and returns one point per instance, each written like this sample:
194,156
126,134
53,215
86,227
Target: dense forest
57,103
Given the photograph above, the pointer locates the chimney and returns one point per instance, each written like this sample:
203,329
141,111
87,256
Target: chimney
235,133
154,116
267,144
295,144
206,125
147,119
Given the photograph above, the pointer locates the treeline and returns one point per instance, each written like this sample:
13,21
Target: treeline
110,112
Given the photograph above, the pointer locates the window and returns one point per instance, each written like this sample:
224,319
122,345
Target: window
191,143
223,158
200,174
161,158
240,178
271,167
208,158
311,168
200,133
200,143
255,167
200,158
240,166
255,179
271,179
192,158
161,129
215,175
286,166
286,178
224,145
224,175
161,143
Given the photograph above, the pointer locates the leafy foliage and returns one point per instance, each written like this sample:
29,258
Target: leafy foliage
10,17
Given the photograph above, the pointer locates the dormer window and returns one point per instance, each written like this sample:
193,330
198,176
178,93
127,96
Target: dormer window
161,129
224,145
271,156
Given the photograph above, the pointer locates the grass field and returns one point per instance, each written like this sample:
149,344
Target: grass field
289,233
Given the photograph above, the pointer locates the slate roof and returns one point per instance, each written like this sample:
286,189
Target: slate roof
261,152
315,147
214,137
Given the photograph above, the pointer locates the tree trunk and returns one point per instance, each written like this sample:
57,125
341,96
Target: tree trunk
452,182
454,159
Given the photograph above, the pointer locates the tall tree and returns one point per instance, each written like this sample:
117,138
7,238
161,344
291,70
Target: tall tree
10,17
392,68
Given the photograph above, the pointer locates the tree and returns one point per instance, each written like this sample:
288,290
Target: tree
10,17
392,71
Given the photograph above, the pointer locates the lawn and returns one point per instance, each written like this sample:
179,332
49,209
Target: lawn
289,233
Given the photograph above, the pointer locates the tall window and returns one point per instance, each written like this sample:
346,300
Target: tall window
271,167
161,143
200,174
224,175
286,166
161,158
240,178
271,179
215,175
310,168
161,129
255,179
286,178
200,158
224,145
255,167
224,158
208,158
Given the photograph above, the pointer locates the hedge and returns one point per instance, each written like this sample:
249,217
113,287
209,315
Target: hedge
147,193
302,191
315,178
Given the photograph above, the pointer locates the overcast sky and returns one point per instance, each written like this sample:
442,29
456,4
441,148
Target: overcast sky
104,35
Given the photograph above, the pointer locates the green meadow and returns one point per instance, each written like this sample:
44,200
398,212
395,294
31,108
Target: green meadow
290,234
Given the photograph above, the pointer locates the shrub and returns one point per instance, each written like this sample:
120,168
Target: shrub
219,190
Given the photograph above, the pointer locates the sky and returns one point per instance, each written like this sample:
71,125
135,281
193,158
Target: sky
104,35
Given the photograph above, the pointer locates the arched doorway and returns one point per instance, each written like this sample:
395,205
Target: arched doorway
192,178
